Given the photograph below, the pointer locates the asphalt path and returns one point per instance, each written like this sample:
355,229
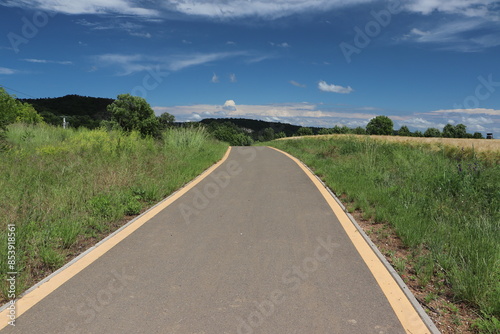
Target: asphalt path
253,248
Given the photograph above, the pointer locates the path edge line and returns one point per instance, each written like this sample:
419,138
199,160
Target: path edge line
42,289
408,324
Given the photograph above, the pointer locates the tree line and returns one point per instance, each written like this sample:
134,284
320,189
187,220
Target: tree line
132,113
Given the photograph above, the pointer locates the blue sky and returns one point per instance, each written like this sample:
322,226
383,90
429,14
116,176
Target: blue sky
424,63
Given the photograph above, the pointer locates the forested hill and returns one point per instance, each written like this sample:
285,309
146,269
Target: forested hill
258,126
82,110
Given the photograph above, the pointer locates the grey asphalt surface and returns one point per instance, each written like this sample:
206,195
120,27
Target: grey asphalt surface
253,248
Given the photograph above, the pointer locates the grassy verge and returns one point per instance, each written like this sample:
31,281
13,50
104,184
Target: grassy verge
443,204
66,189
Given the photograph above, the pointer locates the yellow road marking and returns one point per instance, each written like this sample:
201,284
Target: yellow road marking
406,313
30,299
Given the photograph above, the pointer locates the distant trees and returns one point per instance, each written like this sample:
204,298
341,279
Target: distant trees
359,131
166,120
432,132
325,131
267,134
404,131
230,133
380,125
134,113
457,131
280,134
478,135
304,131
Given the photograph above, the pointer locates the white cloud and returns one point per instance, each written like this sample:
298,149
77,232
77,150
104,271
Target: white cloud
262,8
129,64
230,105
232,77
215,78
141,34
321,115
297,84
464,7
84,7
280,45
323,86
183,61
464,35
295,113
4,70
45,61
476,111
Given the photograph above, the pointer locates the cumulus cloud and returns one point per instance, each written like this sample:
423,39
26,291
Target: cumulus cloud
230,105
324,87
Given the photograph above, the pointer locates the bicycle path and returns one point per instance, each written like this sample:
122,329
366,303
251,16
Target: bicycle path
254,247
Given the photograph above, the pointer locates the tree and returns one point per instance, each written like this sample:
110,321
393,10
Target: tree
230,133
8,109
325,131
344,129
449,131
27,114
380,125
134,113
303,131
432,132
280,134
404,131
359,131
460,131
477,135
268,134
166,120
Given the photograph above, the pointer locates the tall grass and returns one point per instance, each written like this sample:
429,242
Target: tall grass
444,203
65,189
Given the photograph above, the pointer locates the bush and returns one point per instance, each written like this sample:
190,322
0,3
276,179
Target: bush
303,131
230,133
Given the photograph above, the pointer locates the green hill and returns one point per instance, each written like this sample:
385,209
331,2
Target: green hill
80,110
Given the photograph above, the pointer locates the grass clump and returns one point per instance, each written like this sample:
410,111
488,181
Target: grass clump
444,202
64,189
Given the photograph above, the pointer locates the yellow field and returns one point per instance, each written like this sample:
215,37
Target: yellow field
479,145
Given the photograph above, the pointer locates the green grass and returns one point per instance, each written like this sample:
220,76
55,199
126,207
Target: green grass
442,201
62,188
